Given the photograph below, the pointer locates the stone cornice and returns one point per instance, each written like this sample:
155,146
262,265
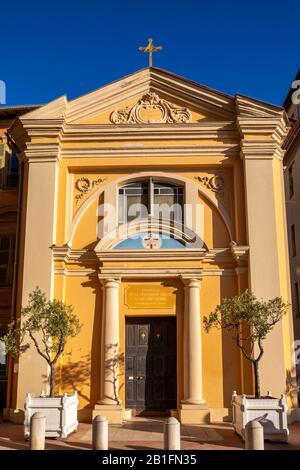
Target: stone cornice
39,152
240,253
203,130
261,150
66,254
149,272
182,273
251,108
235,253
141,150
112,273
274,128
187,254
43,127
95,133
224,134
255,126
218,256
24,131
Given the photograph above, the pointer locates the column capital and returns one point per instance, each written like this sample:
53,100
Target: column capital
191,281
110,282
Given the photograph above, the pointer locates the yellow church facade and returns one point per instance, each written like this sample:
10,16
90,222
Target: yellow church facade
144,203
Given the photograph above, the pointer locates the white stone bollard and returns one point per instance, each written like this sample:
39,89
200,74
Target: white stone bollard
172,434
37,431
100,433
254,436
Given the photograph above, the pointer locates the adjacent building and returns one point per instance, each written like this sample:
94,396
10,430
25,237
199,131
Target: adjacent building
292,194
9,178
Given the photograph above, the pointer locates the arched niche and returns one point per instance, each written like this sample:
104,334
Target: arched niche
109,194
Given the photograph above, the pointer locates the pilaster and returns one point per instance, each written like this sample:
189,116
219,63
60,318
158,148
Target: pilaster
38,234
262,155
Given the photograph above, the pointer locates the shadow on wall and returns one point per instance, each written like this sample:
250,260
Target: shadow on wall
95,364
75,376
114,367
84,374
231,357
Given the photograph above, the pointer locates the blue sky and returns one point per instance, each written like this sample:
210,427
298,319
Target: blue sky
49,49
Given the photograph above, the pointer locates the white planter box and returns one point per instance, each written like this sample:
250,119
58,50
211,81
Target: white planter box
270,412
60,413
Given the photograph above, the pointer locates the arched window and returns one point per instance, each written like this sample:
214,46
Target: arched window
157,199
150,240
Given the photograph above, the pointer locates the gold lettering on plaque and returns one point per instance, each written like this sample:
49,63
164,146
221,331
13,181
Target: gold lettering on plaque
150,297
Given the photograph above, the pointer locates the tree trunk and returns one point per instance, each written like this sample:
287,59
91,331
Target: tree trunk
52,380
256,379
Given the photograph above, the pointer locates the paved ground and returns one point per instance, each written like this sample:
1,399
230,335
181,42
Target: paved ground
146,434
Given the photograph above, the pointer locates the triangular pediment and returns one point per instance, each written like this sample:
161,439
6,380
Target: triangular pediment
177,98
151,107
152,96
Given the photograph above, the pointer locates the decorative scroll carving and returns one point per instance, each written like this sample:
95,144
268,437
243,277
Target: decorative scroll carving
151,101
215,183
84,185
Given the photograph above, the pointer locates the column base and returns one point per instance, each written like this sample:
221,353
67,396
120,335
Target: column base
114,413
194,414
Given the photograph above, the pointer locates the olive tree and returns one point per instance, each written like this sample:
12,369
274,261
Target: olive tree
48,324
250,320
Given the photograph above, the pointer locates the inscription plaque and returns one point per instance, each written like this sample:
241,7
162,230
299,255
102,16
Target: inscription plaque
150,297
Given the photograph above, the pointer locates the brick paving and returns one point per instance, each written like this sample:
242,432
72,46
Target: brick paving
146,434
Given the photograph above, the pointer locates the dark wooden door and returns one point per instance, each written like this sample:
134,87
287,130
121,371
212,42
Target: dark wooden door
150,363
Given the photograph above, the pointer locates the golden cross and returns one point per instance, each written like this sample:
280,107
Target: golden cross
150,49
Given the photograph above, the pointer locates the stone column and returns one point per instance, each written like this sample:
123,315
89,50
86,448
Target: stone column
193,408
110,342
192,343
109,403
